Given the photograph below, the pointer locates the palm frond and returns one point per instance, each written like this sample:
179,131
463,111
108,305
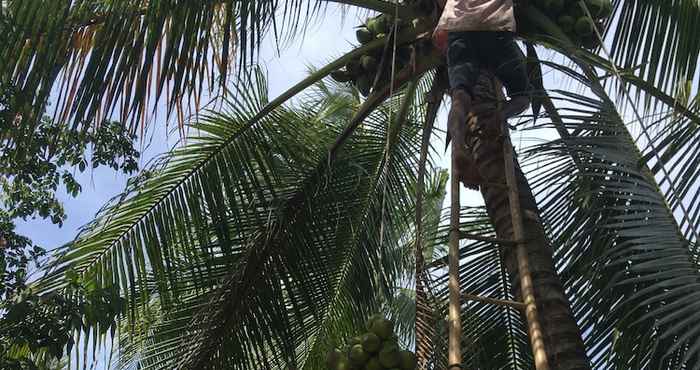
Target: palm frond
659,36
119,57
203,249
621,251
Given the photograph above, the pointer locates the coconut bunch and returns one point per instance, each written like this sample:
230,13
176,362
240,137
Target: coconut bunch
571,17
376,349
362,72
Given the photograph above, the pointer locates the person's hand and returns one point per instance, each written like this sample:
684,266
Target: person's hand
440,40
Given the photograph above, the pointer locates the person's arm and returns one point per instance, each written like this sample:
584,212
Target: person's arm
440,35
440,40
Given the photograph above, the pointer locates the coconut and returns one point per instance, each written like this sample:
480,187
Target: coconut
333,357
607,9
383,24
555,6
363,84
575,10
566,23
407,360
389,356
369,63
341,76
584,26
364,35
355,340
371,320
357,355
354,68
371,343
590,42
373,364
599,8
343,364
372,25
383,328
543,4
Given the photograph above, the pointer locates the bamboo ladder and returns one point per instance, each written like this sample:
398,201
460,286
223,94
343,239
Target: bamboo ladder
528,305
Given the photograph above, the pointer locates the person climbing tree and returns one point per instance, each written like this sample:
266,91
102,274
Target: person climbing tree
478,34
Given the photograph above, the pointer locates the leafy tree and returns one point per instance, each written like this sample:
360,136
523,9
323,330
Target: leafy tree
36,328
267,237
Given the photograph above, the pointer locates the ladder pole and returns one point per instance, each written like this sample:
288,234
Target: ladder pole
455,304
526,284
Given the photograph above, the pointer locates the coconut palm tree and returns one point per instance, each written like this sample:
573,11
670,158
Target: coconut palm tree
269,236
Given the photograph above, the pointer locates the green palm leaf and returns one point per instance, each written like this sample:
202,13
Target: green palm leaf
622,252
668,61
119,57
249,247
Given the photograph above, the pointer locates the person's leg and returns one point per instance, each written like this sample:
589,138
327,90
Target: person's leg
462,69
509,66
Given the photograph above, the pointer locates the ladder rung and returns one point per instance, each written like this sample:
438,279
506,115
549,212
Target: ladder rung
465,235
498,302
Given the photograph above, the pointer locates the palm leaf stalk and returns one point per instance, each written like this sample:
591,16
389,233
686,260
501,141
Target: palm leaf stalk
424,325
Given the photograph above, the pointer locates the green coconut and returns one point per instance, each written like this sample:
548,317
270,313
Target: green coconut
584,26
354,68
355,340
383,24
566,23
372,25
555,6
372,319
364,35
543,4
607,9
575,10
590,42
371,343
369,63
364,84
407,360
341,76
373,364
343,364
599,8
389,356
333,357
393,340
357,355
383,328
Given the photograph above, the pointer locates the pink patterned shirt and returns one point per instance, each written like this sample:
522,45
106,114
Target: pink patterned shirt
478,15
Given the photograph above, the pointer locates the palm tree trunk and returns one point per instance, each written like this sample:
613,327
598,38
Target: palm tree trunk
563,343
